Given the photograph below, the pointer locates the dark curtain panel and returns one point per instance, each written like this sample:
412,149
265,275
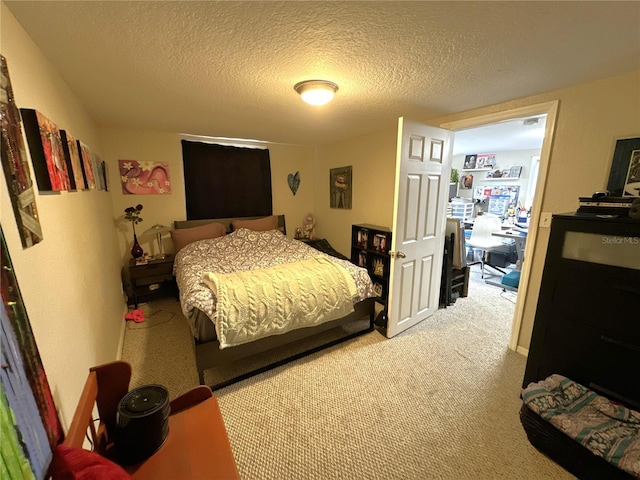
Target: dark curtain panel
223,182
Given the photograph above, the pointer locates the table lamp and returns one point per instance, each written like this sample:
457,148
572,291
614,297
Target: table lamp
159,230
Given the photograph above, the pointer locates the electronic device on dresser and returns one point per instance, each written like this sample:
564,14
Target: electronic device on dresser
587,323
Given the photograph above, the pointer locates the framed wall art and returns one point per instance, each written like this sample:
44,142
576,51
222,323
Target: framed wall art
624,177
486,160
87,165
74,163
14,164
30,424
340,187
470,162
144,178
47,155
466,182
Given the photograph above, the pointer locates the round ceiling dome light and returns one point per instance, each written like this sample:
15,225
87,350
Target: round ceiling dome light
316,92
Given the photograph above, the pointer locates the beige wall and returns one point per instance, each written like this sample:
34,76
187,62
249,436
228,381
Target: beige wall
164,209
590,119
70,282
373,158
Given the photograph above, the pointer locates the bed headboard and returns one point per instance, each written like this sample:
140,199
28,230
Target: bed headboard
177,224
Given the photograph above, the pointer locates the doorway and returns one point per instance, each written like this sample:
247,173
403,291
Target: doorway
549,110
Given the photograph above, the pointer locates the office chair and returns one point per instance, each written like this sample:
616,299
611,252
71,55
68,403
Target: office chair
481,238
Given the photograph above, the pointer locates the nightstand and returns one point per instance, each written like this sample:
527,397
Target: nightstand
150,280
324,246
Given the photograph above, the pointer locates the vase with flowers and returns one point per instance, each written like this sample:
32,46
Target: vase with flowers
133,215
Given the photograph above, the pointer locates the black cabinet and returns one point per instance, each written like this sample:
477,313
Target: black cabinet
370,246
587,324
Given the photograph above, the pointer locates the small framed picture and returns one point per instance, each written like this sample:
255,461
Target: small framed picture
378,267
470,162
363,237
515,171
486,160
379,242
362,259
624,176
377,288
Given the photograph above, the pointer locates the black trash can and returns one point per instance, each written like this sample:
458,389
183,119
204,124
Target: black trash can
142,424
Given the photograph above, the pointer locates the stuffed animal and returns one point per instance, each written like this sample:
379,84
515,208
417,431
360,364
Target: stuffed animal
308,226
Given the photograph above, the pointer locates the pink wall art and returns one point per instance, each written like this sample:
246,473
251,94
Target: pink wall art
144,178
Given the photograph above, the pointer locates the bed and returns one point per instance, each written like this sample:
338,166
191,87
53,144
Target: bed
208,272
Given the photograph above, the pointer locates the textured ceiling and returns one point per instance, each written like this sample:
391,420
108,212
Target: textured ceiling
227,69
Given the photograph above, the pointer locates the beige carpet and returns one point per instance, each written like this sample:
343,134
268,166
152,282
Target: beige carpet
438,401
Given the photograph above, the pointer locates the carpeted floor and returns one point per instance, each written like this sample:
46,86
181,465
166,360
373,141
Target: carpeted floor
438,401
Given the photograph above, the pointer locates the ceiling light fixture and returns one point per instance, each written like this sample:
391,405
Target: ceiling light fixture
316,92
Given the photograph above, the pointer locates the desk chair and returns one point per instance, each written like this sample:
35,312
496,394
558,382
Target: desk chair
481,238
196,446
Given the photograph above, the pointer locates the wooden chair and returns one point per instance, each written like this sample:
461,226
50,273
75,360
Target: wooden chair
196,447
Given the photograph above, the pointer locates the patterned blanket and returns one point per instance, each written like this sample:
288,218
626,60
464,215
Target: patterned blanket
272,301
607,429
241,251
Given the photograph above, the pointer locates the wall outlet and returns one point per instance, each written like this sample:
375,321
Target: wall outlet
545,220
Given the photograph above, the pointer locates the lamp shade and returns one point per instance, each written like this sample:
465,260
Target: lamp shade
316,92
158,230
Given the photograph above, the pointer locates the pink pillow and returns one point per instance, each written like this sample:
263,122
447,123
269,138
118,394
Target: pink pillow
259,224
184,236
77,464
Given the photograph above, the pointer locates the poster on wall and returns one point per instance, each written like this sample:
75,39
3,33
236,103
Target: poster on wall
144,178
15,166
30,425
340,187
502,198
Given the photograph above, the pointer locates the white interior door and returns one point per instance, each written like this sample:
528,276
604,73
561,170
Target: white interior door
423,164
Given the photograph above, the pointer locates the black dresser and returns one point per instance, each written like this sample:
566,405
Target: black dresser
587,324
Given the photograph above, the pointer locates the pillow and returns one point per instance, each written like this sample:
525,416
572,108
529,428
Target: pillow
77,464
259,224
184,236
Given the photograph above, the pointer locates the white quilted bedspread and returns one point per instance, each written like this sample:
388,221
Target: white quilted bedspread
246,250
271,301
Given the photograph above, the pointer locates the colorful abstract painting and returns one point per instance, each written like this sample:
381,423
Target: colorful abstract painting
47,148
15,166
144,178
87,165
30,427
74,163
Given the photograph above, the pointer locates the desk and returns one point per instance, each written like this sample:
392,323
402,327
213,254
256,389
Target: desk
520,239
196,446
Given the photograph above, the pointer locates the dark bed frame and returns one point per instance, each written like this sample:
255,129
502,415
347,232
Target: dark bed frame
208,354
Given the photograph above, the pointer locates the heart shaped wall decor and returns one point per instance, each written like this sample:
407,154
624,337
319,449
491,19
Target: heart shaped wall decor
294,181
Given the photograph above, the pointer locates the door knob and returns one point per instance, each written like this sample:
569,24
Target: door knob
397,254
